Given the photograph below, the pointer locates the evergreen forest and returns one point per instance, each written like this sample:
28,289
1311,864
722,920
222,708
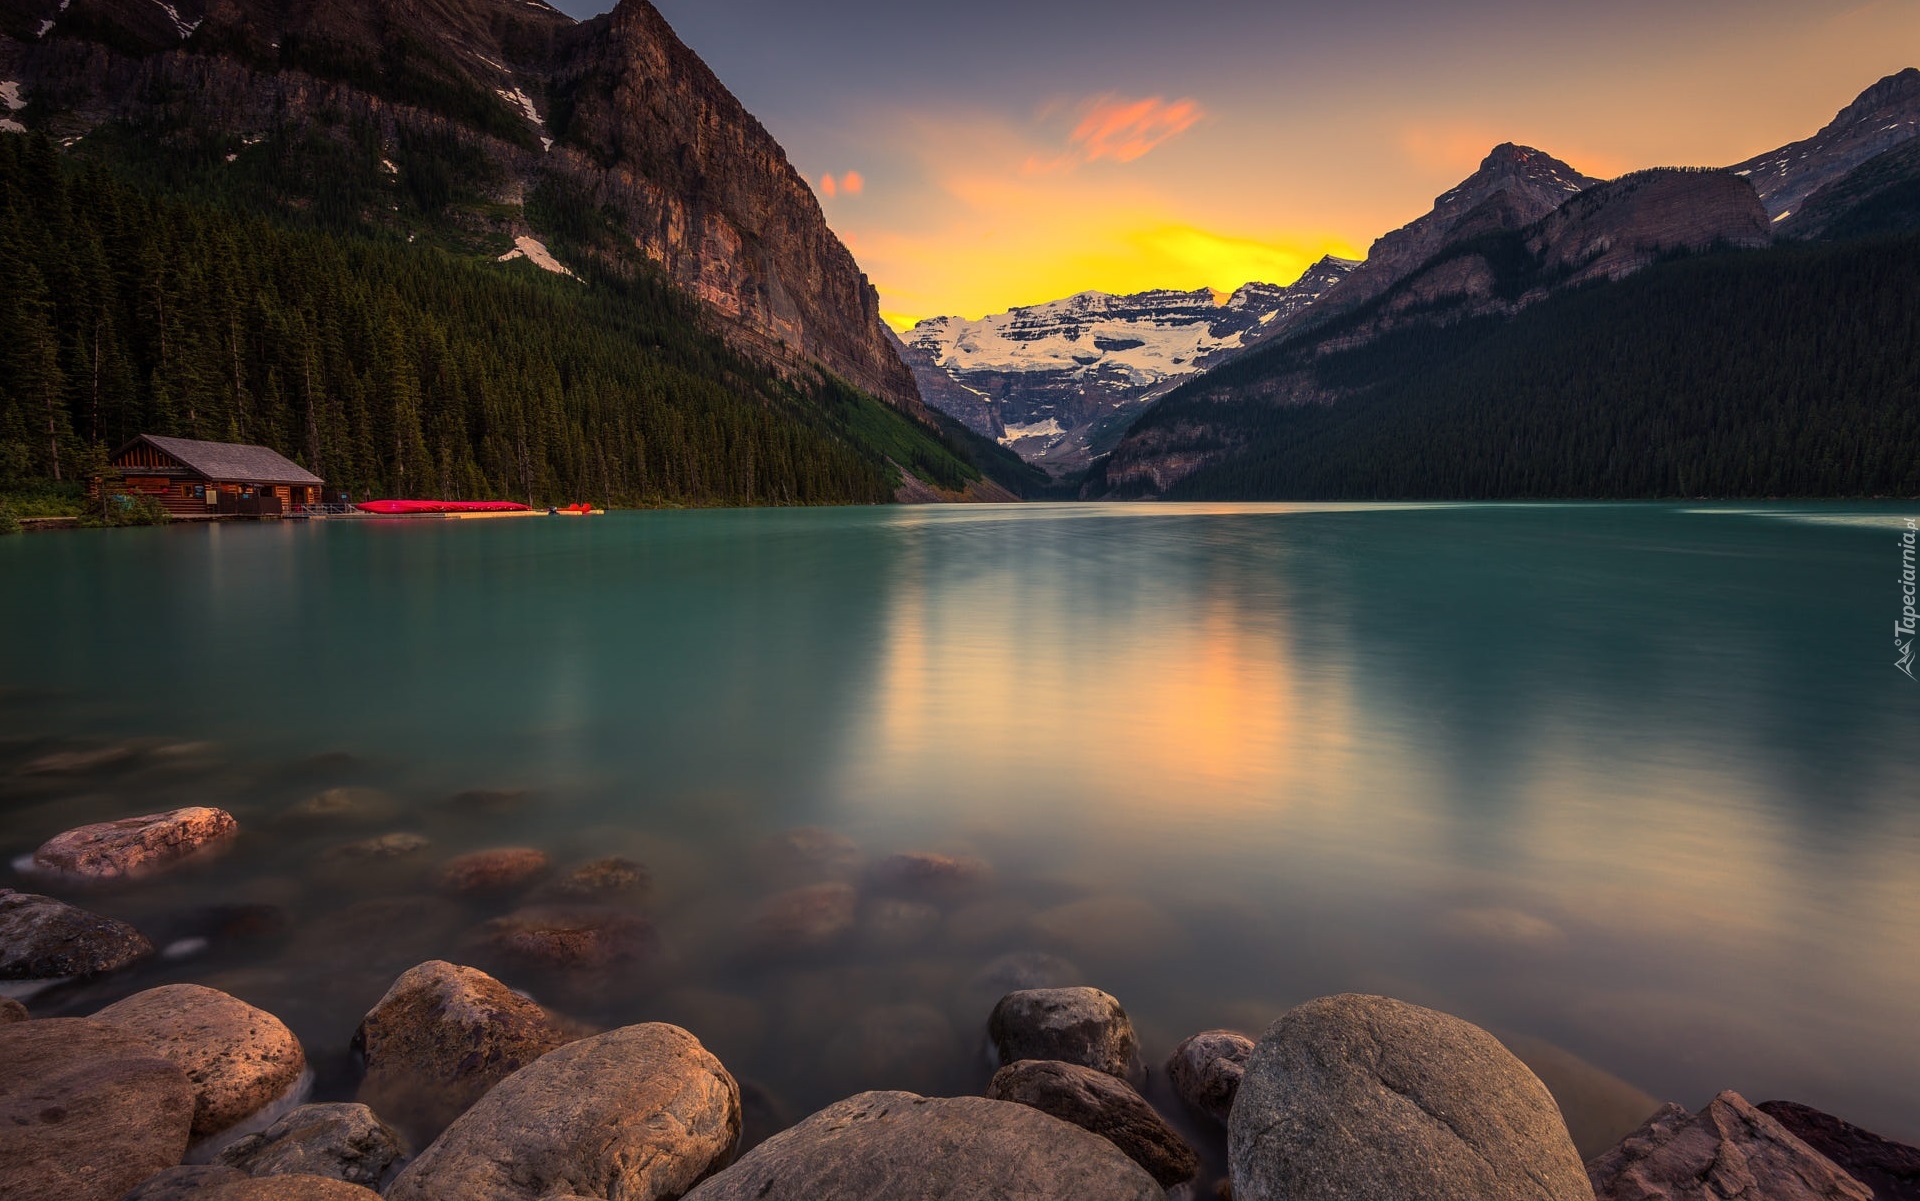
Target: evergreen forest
394,368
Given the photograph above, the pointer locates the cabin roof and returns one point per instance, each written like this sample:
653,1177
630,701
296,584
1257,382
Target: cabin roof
228,461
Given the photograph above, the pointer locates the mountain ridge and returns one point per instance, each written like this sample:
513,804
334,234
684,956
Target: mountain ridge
615,117
1052,380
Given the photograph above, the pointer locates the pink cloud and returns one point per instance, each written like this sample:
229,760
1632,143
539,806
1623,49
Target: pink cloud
852,182
826,186
1116,128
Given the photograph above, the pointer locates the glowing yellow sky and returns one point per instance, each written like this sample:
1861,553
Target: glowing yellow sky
1199,180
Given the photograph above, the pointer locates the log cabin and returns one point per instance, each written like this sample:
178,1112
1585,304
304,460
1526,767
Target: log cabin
210,479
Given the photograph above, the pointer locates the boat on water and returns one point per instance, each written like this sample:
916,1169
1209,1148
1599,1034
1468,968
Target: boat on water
468,508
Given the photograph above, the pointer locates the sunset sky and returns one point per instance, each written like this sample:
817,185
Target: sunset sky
994,153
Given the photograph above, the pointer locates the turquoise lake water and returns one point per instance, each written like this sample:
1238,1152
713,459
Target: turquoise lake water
1638,781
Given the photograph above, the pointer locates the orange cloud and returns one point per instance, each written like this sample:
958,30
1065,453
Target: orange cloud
826,186
1113,127
852,183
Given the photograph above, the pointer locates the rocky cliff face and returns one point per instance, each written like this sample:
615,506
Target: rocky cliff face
1057,382
614,115
1885,115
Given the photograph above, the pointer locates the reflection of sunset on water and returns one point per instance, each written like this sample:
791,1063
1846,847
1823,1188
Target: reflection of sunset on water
1198,709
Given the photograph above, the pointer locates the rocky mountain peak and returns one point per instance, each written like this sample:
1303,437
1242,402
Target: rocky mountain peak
1880,118
1514,187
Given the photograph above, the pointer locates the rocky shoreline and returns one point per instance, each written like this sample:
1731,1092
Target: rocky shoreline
467,1088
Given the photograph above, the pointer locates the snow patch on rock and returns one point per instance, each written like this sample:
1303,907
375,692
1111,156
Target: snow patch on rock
535,251
521,101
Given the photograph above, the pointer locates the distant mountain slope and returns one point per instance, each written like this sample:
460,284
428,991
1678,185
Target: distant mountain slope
1057,381
1882,117
1880,196
497,118
1514,186
1790,371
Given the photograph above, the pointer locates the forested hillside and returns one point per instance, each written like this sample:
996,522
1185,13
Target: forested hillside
398,369
1793,371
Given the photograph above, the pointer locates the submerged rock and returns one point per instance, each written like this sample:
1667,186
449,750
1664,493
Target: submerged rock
1096,1102
1728,1149
42,939
613,878
807,855
923,873
1205,1071
242,1061
440,1038
905,1147
1355,1098
1117,928
342,806
397,845
501,869
641,1113
813,918
569,938
73,763
134,846
338,1140
901,1046
1074,1025
1011,972
1599,1107
87,1110
891,924
1890,1169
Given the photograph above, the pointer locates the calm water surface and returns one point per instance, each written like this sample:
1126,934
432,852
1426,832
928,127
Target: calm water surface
1638,781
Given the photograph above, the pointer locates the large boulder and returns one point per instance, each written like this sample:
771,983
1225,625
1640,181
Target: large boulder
42,939
12,1011
1096,1102
338,1140
1356,1097
905,1147
1890,1169
1728,1149
440,1038
243,1061
1074,1025
1205,1071
636,1114
87,1111
135,846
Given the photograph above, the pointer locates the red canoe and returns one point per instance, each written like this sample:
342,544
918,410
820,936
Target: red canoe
440,506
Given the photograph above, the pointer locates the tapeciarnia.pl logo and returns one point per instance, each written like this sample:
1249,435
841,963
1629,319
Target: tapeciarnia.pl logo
1903,629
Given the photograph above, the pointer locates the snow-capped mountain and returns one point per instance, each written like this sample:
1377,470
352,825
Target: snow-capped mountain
1059,381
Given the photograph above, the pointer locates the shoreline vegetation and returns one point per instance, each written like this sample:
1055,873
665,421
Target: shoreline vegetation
394,369
466,1087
